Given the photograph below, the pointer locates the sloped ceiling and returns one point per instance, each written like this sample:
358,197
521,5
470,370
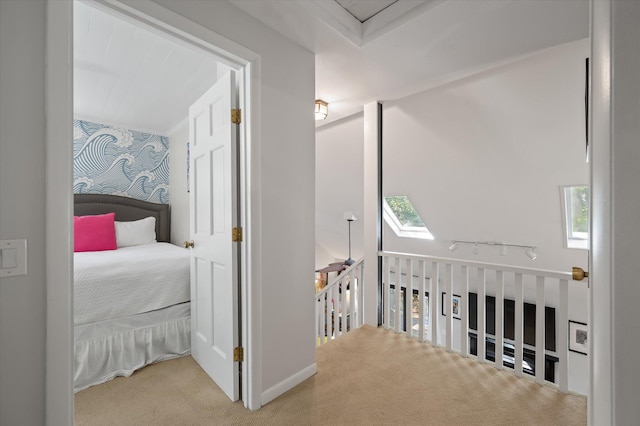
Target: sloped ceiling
128,76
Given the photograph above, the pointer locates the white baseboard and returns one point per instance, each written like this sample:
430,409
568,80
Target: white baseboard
288,383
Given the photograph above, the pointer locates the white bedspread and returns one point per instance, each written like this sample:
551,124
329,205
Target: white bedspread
129,280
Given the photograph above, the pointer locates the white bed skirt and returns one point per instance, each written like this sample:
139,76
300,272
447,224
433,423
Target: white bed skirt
118,347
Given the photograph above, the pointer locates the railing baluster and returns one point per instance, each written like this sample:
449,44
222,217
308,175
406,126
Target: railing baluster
320,303
499,332
340,293
481,338
361,285
325,314
337,309
347,311
386,292
355,295
460,279
518,324
354,321
464,312
421,291
447,307
329,315
326,330
408,298
563,318
398,295
434,295
540,339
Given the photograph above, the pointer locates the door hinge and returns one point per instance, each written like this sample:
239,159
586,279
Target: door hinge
236,235
238,354
236,116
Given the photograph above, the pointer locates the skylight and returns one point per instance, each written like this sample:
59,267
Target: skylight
576,213
403,218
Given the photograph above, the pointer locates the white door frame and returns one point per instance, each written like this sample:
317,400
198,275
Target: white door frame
59,198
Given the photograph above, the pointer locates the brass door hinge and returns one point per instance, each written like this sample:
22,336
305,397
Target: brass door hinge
236,116
238,354
236,235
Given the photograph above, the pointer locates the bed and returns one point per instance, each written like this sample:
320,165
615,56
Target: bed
131,303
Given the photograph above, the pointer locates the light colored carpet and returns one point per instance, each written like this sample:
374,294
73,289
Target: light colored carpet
368,377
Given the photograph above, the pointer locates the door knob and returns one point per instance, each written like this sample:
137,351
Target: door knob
188,244
579,274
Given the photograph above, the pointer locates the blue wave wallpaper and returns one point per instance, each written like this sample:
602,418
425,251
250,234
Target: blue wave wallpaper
112,160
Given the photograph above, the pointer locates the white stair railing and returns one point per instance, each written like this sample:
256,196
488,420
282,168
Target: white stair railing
339,306
454,282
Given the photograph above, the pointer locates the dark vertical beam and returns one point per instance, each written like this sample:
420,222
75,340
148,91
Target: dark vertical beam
379,222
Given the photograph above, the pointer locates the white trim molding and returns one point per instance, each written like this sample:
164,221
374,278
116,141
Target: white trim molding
59,112
59,408
288,383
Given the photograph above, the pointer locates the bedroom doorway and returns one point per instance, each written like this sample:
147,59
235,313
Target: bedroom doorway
244,72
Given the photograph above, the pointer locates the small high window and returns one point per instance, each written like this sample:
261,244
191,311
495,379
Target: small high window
576,213
403,218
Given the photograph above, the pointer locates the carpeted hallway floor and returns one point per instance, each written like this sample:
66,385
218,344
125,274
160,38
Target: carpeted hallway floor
368,377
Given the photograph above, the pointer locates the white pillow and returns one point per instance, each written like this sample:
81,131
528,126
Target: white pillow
136,232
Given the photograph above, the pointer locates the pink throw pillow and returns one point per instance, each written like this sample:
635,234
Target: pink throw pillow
94,233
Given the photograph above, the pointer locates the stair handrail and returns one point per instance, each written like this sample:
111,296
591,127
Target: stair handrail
340,277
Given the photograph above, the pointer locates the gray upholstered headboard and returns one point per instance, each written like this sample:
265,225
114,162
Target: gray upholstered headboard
126,209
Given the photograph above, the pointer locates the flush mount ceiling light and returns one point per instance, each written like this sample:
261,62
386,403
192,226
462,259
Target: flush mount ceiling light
322,109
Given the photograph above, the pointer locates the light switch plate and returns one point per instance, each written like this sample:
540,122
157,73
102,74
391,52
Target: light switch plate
13,258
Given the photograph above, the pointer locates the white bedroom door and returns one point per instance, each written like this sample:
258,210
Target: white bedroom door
214,256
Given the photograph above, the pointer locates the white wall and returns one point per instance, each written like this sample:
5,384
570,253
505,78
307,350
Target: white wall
615,210
339,183
22,210
483,159
284,173
478,157
323,257
178,184
286,195
487,156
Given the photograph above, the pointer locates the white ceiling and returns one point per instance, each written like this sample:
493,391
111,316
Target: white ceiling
128,76
414,45
364,10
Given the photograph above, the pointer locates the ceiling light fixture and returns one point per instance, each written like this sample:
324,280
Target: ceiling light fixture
322,109
531,253
453,246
